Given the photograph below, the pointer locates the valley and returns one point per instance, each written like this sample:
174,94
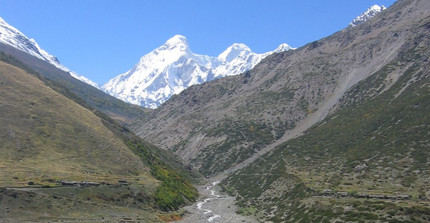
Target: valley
337,130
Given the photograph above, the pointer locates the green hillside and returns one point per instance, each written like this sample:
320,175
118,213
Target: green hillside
49,135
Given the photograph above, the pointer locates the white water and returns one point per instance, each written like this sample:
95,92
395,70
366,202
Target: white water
214,208
214,196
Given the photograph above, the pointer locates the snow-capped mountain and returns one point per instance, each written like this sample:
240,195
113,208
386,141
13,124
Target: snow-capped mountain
11,36
173,67
370,13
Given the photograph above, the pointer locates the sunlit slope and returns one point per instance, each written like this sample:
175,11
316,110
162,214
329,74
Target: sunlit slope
45,135
366,162
115,108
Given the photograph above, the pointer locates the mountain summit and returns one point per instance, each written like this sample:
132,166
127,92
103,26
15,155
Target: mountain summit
177,41
368,14
11,36
173,67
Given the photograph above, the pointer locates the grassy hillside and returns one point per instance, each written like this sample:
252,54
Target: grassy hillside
49,135
368,162
45,132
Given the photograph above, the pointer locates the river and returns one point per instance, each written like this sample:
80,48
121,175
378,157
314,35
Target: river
214,207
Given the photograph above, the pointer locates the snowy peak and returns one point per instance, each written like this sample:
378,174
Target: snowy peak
13,37
283,47
173,67
234,51
367,15
177,42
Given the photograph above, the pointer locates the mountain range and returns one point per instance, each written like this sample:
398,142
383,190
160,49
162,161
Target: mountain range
173,67
334,131
167,70
337,129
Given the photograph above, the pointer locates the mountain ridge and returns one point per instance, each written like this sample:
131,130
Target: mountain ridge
173,67
13,37
284,91
367,15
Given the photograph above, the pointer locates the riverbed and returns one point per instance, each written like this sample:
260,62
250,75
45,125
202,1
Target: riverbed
214,207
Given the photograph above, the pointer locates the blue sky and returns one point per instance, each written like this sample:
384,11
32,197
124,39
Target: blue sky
101,39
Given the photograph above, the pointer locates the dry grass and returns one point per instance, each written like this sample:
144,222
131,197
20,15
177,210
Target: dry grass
44,135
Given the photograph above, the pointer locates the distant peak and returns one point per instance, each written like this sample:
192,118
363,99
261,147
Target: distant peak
240,46
283,47
176,42
177,39
367,15
233,51
378,8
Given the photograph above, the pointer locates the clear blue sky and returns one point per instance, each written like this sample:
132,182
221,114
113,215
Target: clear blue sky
101,39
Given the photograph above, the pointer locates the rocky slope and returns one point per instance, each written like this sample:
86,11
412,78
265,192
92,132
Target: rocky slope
173,67
367,161
218,125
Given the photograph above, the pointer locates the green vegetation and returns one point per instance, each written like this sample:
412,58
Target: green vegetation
53,135
175,189
232,150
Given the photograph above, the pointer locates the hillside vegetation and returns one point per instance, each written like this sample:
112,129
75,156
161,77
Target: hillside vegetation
377,147
366,162
49,136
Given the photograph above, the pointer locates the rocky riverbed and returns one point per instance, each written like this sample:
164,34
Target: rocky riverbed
214,207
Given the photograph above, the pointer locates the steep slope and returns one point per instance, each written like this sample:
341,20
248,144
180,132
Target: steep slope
49,135
45,132
173,67
15,43
218,125
368,160
13,37
117,109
